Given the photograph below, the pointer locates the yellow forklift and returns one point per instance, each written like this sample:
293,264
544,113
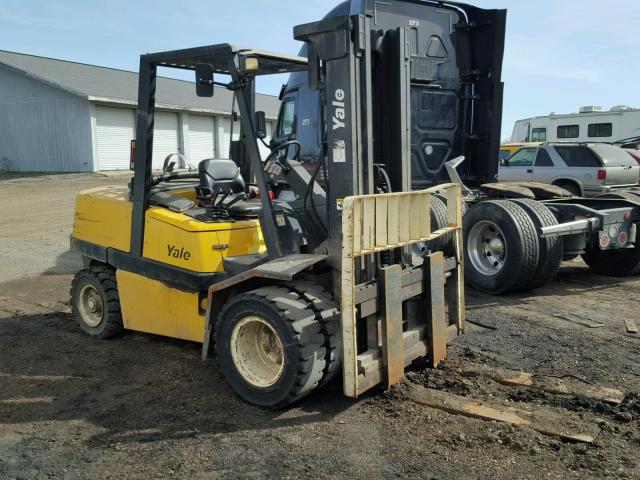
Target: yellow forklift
291,270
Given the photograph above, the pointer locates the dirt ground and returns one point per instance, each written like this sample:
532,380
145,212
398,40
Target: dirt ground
146,407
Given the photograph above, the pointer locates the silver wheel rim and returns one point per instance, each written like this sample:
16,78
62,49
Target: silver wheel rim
257,351
90,305
487,247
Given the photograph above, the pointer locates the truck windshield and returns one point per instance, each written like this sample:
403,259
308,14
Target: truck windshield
287,122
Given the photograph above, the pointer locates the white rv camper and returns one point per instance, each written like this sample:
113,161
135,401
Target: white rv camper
591,124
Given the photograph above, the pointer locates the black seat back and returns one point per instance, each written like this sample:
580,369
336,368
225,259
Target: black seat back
220,176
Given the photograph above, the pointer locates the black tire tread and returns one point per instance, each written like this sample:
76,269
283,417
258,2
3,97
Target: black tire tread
613,263
296,310
327,313
551,248
526,251
439,220
634,197
530,246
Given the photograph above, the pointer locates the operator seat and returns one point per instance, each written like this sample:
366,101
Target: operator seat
220,177
220,180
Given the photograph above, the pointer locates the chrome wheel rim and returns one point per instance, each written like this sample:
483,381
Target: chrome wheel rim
487,247
90,305
257,351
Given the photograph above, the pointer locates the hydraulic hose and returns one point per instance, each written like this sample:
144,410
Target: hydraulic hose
308,195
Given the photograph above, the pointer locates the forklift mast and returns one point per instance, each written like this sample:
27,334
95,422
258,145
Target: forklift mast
432,69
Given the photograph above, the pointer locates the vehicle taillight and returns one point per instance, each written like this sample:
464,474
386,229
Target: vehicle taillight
602,175
272,195
622,238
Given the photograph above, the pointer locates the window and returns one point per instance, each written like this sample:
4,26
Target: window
504,154
568,131
287,122
539,135
575,156
543,159
600,130
522,158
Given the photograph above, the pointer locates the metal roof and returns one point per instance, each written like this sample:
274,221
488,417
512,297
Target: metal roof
110,85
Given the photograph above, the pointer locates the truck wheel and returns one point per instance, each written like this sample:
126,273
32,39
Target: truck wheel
95,302
439,219
634,197
465,207
570,187
270,346
551,248
613,263
501,247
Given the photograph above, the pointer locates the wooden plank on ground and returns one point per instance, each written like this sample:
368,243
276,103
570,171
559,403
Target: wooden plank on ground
580,320
560,386
631,325
545,420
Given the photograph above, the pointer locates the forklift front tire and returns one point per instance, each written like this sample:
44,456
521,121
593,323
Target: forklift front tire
95,302
270,346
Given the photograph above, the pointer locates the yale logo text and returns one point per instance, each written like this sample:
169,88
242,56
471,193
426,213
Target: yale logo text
339,114
178,253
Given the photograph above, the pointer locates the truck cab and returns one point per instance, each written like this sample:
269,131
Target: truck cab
454,101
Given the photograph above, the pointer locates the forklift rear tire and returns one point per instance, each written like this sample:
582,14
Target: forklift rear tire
270,346
551,248
613,263
501,247
95,302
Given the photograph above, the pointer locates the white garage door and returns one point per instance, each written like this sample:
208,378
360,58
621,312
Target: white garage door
225,132
201,138
264,151
115,128
165,137
225,135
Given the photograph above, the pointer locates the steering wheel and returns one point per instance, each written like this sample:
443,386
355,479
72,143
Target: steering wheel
273,159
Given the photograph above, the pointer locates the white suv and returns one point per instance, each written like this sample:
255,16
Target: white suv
583,169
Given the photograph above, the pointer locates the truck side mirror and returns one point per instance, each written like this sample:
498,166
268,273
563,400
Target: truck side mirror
260,125
504,162
204,80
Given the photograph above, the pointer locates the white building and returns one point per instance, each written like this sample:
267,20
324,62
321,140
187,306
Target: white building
591,124
60,116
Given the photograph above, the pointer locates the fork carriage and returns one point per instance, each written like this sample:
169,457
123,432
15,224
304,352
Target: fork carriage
393,314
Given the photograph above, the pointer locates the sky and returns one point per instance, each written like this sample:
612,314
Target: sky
559,54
